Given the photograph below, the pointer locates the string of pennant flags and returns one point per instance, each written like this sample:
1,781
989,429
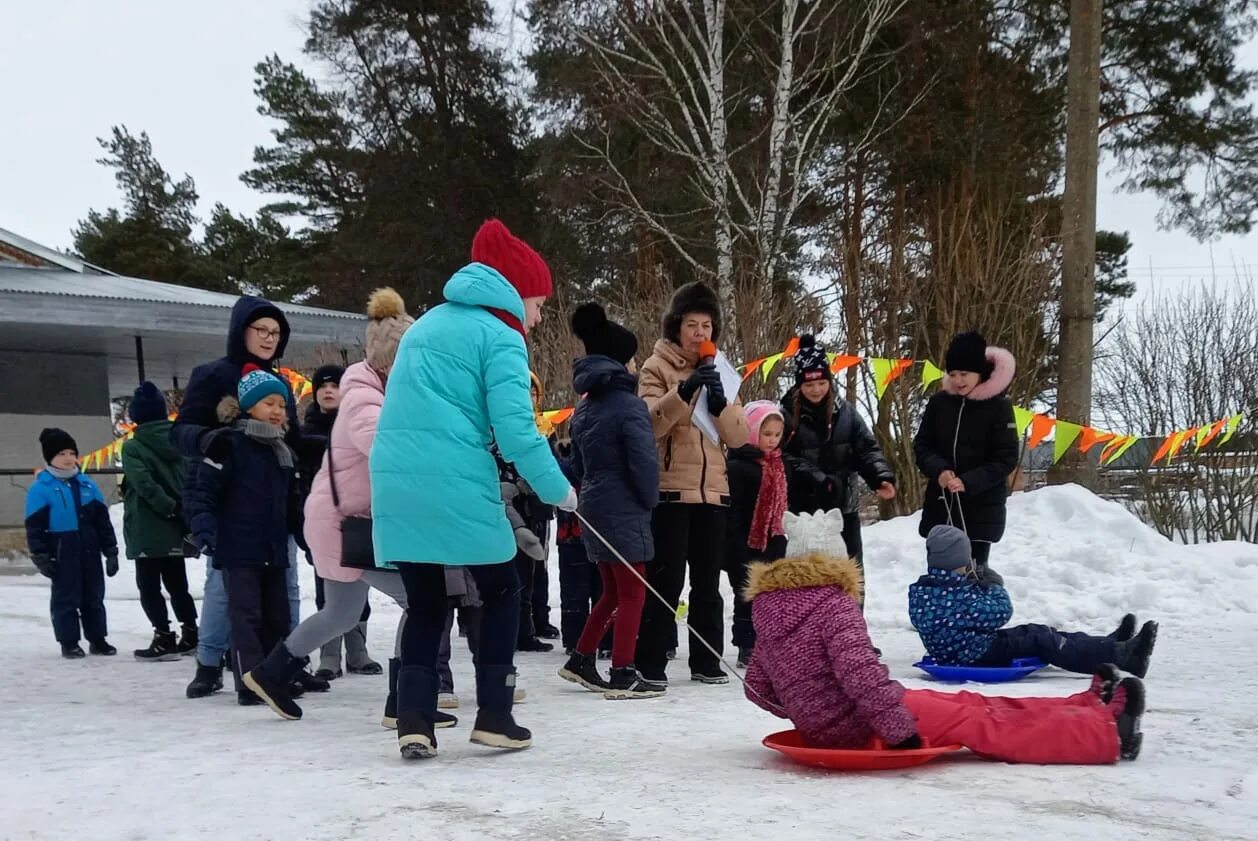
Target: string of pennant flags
885,371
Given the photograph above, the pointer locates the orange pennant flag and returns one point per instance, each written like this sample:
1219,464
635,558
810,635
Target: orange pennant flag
751,367
1164,448
557,416
1089,437
792,348
842,362
1041,426
1216,429
1181,438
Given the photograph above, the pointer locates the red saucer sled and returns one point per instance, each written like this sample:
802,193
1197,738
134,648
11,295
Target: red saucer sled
874,758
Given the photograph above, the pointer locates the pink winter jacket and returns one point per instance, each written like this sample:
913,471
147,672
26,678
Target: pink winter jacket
813,662
362,393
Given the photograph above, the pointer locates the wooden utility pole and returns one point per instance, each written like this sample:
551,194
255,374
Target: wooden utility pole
1078,234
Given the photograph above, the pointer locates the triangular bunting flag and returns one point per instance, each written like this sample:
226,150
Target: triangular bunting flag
1116,452
1181,438
558,416
86,464
770,363
1216,429
1232,424
841,362
1091,436
1066,434
1164,448
792,348
932,374
1203,432
751,368
1022,417
1041,426
886,371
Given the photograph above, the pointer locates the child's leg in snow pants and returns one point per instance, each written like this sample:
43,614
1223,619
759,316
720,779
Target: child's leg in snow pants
1074,652
1040,730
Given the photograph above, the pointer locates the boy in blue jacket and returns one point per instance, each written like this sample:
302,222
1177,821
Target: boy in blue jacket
67,531
960,617
242,502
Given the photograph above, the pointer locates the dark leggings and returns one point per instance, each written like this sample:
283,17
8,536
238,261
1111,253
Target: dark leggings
150,575
425,584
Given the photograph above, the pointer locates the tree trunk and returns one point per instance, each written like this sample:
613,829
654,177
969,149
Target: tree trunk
1078,234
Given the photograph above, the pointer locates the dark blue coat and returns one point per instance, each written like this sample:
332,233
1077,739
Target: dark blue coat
215,380
614,459
68,521
956,616
242,510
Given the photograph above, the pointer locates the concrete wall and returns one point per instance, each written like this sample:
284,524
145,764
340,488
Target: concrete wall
69,391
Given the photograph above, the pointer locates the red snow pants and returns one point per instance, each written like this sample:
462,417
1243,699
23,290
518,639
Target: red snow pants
1076,730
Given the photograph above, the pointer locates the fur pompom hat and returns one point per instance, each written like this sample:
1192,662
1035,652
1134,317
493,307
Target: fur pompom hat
388,323
602,336
691,298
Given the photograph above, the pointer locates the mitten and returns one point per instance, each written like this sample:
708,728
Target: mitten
570,502
913,742
526,541
45,564
111,563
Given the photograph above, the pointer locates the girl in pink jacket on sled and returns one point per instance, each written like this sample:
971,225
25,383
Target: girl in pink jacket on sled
815,665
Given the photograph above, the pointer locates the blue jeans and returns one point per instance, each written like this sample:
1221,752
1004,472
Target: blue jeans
214,632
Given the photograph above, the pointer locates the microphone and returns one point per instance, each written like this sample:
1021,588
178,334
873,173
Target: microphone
707,353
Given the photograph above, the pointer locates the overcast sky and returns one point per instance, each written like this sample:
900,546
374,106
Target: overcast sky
70,69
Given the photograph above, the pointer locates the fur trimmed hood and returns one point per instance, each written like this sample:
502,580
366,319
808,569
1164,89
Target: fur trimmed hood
1003,368
800,571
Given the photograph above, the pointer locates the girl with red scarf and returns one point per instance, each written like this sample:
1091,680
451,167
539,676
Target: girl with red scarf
758,498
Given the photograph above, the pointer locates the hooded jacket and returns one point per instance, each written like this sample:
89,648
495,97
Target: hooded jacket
614,460
460,383
976,437
692,467
213,381
151,490
814,662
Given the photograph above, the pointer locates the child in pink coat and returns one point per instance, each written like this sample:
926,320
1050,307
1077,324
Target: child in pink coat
815,665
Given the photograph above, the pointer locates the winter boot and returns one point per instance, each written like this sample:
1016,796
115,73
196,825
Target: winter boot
72,652
389,721
547,631
1128,705
533,644
102,648
1126,628
442,720
582,670
495,727
715,677
163,648
357,660
271,679
247,698
744,656
311,683
208,680
1104,681
1135,653
187,645
329,661
447,701
627,683
417,711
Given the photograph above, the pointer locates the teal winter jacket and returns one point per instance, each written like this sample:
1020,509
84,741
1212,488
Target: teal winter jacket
460,382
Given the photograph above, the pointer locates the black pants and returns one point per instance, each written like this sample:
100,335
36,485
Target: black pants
855,547
150,575
78,592
980,550
541,595
744,632
1074,652
366,614
257,604
580,587
692,535
428,609
525,570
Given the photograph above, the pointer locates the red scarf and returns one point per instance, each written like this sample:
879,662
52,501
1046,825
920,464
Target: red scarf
766,521
509,320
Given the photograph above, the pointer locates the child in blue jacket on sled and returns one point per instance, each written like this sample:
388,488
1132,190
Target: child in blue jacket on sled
961,617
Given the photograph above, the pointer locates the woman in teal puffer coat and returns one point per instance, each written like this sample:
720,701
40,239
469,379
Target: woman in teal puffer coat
459,384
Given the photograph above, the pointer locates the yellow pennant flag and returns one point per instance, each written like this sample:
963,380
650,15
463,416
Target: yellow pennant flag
770,363
1067,433
1232,423
1177,443
1128,441
1203,433
86,464
885,371
932,374
682,610
1022,417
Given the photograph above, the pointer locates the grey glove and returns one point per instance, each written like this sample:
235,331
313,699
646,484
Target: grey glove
111,563
526,541
46,565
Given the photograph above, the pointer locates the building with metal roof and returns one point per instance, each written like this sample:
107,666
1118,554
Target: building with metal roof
73,336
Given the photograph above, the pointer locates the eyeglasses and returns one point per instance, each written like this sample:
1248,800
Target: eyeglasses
264,333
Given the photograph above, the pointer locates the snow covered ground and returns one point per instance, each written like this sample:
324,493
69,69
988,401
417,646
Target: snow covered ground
110,748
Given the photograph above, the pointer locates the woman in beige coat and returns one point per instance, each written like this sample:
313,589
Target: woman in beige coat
689,523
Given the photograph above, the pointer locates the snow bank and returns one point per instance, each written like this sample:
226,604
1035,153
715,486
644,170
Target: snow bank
1068,557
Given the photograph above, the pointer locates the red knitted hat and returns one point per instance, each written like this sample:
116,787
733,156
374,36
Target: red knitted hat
512,257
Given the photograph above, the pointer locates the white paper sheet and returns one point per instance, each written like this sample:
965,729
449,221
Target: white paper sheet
731,382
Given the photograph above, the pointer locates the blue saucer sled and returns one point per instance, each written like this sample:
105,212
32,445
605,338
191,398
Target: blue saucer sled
1017,670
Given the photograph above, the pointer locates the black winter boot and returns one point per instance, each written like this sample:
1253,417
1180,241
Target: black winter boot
582,670
389,720
533,644
417,688
163,649
101,647
271,680
1126,628
1129,736
188,641
310,683
208,680
73,652
1104,682
744,656
1134,655
248,698
627,683
495,727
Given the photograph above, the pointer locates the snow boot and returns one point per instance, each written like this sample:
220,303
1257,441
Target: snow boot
208,680
311,683
72,652
1126,628
102,648
417,711
581,669
547,631
1130,694
1104,681
188,640
533,644
1135,653
716,677
495,727
447,701
389,720
627,683
744,657
163,649
330,661
271,680
247,698
357,660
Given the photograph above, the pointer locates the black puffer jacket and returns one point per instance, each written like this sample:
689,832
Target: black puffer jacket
826,454
976,438
746,469
315,434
